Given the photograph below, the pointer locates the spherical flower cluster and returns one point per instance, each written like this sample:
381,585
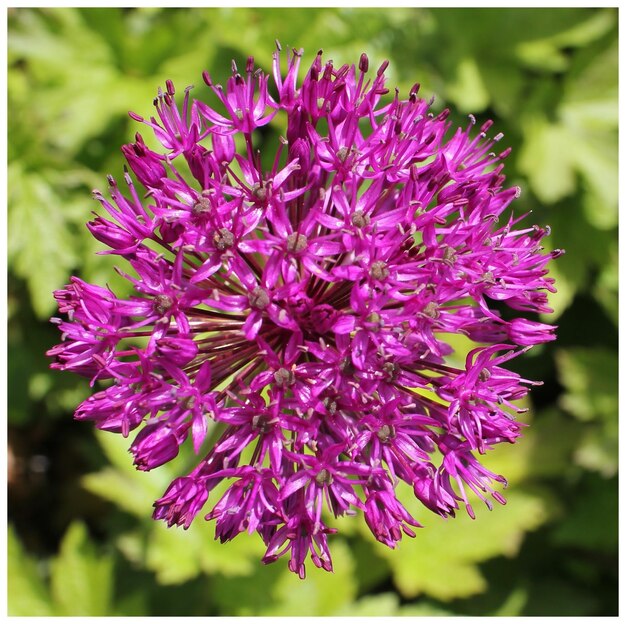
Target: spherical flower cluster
298,314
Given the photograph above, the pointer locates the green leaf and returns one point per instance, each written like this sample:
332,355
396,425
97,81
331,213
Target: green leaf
380,605
467,89
372,570
496,31
75,72
442,561
587,248
39,246
81,580
176,555
542,55
563,297
589,376
121,484
546,53
599,449
553,596
246,595
388,605
424,609
581,141
514,604
606,287
134,495
505,85
171,559
514,461
322,593
553,440
545,158
275,591
597,24
34,389
27,594
591,89
590,110
593,521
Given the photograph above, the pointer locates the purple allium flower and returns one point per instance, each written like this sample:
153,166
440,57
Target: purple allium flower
300,313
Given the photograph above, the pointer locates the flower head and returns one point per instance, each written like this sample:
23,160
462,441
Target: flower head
300,312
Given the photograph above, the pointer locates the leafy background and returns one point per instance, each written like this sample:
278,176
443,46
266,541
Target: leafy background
80,538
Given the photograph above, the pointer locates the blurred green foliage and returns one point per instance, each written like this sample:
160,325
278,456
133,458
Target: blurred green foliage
81,541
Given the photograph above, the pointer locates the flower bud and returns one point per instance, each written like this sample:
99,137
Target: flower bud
154,446
223,147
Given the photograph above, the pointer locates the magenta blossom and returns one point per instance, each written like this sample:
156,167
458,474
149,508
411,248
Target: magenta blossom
299,313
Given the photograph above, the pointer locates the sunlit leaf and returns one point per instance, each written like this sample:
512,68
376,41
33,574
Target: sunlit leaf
606,288
176,555
514,604
582,140
27,594
275,591
599,449
442,560
467,89
590,378
546,159
380,605
81,576
121,484
40,246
